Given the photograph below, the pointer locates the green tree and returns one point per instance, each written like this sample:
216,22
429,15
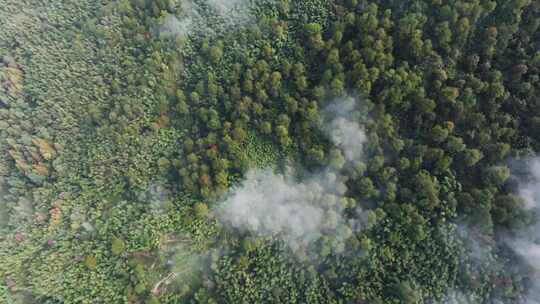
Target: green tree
118,246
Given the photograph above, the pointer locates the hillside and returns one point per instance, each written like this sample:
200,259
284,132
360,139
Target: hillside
269,151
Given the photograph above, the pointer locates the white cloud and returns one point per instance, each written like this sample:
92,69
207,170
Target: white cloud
525,242
194,18
342,129
300,210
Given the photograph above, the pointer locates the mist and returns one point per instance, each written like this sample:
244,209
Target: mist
157,196
476,257
297,212
529,189
341,127
458,297
300,208
477,251
270,204
194,17
181,264
525,241
171,26
225,6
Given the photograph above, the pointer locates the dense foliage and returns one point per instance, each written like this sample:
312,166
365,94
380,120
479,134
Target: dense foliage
123,128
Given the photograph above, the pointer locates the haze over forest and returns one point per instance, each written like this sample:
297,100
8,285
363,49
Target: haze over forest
270,151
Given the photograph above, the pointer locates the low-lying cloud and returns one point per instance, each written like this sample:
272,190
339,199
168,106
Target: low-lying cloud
300,209
172,26
195,18
341,127
226,6
530,189
270,204
526,242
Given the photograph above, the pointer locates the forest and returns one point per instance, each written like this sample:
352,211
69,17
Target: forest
270,151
